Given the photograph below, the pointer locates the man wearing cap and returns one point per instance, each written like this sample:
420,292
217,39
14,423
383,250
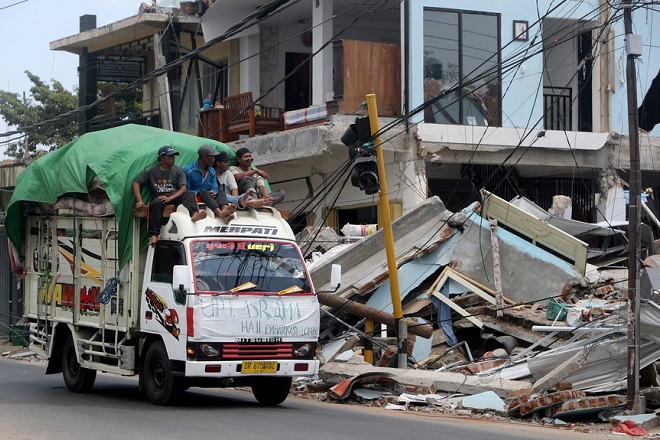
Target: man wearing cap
168,187
227,183
251,180
201,179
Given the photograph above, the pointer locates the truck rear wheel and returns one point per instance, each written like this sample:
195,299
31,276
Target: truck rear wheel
76,378
271,391
159,383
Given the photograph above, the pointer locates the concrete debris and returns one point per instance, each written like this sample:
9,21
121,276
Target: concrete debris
487,401
646,421
552,347
529,403
586,406
367,394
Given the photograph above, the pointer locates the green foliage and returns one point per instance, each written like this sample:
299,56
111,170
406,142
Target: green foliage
126,104
44,103
47,102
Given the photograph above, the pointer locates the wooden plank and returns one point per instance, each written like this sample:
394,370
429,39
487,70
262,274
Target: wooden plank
477,284
467,315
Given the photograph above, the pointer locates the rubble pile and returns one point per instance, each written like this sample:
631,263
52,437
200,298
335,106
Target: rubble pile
537,332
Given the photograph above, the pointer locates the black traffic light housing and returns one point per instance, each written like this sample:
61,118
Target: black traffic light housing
357,134
365,174
358,139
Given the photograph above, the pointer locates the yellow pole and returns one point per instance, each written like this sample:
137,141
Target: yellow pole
368,346
389,236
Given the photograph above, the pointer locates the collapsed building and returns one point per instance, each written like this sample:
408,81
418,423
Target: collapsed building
501,297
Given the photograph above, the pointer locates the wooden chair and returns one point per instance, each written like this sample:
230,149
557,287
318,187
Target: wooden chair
242,118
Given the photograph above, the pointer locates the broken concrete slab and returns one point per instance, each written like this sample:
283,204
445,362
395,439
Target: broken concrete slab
365,262
432,381
333,349
486,401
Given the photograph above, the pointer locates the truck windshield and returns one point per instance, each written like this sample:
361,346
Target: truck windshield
248,266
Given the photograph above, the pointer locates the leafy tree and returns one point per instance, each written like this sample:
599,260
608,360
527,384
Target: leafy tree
45,102
125,104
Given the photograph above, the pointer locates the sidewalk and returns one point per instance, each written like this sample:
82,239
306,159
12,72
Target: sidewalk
7,349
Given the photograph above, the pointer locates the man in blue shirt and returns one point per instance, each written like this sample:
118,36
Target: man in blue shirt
201,179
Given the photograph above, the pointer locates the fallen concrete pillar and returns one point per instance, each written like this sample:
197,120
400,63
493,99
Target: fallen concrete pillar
427,381
372,313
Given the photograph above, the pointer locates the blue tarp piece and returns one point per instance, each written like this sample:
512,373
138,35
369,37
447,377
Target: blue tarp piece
444,316
414,273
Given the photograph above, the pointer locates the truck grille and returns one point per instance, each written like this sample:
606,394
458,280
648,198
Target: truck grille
279,350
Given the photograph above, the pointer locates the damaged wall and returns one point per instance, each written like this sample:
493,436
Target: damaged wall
522,264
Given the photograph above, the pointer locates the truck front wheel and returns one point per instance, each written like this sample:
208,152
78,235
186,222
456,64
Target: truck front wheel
76,378
159,383
271,391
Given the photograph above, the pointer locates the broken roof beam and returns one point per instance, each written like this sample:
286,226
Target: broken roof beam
372,313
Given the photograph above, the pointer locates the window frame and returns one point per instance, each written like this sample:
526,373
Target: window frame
461,73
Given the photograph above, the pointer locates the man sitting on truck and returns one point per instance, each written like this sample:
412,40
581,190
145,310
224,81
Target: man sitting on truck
168,187
252,180
201,180
227,184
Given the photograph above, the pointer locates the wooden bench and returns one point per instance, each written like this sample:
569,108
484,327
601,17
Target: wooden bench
242,118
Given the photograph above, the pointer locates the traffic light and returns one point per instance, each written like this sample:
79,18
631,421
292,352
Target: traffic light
365,171
356,135
365,174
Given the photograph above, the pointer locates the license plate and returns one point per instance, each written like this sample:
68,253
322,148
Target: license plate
258,367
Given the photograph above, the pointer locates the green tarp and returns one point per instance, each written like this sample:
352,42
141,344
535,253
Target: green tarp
116,156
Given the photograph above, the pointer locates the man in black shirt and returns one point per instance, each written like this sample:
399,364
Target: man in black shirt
168,187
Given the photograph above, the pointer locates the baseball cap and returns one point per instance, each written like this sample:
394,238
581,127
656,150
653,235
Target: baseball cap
222,157
207,150
167,151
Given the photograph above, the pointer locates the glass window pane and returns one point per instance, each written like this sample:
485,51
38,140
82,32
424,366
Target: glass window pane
462,47
480,69
441,63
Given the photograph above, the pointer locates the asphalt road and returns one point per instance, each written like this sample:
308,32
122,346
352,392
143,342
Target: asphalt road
33,405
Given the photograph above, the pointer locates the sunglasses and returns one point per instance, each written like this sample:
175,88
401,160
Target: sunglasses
249,159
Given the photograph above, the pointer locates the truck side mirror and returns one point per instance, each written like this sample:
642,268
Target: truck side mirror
181,282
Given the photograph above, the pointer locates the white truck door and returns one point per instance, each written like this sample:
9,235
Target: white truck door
161,313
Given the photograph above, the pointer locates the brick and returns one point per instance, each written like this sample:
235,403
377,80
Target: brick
564,386
593,402
549,400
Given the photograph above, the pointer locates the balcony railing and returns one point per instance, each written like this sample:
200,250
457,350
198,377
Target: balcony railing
150,119
558,108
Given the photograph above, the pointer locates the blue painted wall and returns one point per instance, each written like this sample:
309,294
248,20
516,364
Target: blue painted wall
522,100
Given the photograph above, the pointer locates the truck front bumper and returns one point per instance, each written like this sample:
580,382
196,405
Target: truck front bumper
219,369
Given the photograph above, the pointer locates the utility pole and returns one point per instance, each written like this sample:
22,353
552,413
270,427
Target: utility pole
26,142
634,214
400,324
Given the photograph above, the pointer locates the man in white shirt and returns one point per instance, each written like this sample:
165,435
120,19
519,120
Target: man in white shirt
251,179
227,183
